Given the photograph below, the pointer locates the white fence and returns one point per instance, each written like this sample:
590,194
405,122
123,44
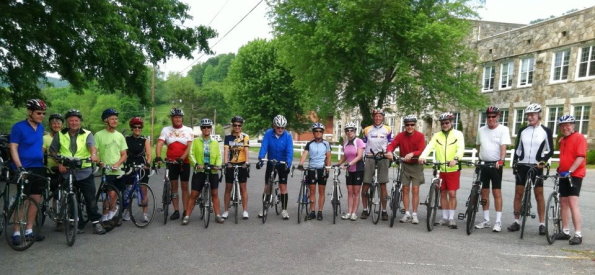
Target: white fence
470,154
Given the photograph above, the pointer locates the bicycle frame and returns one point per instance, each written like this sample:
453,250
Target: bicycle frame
526,199
396,192
272,186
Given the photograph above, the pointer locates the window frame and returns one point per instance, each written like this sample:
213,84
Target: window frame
530,73
558,112
509,75
579,121
590,59
565,64
491,80
515,129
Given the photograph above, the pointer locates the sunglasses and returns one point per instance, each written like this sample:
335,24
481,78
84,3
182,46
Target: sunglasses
136,127
237,125
317,131
279,128
410,125
349,130
205,127
40,113
492,116
445,123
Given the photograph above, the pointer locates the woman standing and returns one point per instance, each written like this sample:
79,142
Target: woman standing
139,152
353,150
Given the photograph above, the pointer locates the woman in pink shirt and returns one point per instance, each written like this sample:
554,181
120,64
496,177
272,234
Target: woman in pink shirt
353,149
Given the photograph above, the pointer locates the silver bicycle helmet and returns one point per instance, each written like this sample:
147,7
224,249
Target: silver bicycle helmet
410,118
280,121
566,119
533,108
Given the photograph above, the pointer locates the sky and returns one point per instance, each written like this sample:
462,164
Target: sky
222,15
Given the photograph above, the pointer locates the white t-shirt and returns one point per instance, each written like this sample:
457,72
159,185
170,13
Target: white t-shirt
490,141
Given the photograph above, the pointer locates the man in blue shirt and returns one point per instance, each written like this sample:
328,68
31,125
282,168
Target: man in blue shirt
277,144
26,151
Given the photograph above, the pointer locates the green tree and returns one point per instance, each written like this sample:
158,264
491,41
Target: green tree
109,42
214,69
357,53
262,88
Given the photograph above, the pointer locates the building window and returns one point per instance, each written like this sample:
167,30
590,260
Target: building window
456,121
526,71
581,114
586,62
552,118
519,119
504,117
488,78
506,75
482,119
560,65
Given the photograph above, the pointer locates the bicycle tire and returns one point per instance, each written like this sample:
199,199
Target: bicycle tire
394,204
135,206
376,209
276,202
335,203
208,205
472,209
552,218
301,203
69,217
104,201
15,217
431,207
166,199
82,208
266,202
525,209
235,201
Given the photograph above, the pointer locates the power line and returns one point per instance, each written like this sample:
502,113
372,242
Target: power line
229,31
215,16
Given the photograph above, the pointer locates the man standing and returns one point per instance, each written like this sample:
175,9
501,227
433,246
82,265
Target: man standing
534,147
448,146
491,143
411,143
573,149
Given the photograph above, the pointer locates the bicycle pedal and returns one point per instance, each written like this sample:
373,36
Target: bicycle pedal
532,216
461,216
402,211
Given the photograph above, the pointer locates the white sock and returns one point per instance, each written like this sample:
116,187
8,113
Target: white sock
407,213
517,221
486,215
566,231
540,224
578,233
451,214
499,216
16,233
414,214
445,214
28,231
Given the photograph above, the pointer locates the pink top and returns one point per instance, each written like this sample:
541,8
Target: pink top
350,151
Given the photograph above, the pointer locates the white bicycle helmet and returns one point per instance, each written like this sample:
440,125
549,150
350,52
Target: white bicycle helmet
410,118
566,119
280,121
317,125
206,122
533,108
350,125
446,116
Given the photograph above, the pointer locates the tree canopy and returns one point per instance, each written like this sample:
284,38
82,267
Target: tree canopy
108,42
358,53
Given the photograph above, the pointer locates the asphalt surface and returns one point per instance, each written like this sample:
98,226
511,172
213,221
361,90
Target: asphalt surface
312,247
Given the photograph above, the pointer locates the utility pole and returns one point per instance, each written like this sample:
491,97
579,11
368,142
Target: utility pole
153,103
215,122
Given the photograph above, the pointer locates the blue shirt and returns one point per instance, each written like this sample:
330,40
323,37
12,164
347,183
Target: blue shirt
317,153
30,143
278,148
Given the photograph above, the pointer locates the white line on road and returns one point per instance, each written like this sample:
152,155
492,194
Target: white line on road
548,256
441,265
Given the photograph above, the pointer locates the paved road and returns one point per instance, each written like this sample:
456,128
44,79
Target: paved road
313,247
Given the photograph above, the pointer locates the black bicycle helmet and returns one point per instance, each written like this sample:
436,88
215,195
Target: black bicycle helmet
108,112
73,112
56,116
237,119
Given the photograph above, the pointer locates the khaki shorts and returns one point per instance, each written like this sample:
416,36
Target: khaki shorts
413,173
369,170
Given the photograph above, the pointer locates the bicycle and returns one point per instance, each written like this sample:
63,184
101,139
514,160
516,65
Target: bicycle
432,201
336,195
166,195
5,178
526,200
474,198
374,193
109,198
139,200
236,195
553,220
273,186
17,217
396,192
304,195
205,201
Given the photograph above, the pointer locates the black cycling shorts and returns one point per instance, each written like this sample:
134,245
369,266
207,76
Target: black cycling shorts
282,173
493,175
242,175
115,181
36,183
179,170
354,178
198,181
566,190
521,175
314,177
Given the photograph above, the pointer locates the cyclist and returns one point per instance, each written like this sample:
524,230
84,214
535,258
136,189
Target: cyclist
573,150
448,146
318,152
179,140
111,147
139,152
26,143
277,144
235,152
77,142
376,136
56,122
411,143
353,150
204,151
534,145
492,140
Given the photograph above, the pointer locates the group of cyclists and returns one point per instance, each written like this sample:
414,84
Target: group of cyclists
29,148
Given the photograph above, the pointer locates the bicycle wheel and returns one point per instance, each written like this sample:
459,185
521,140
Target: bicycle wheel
69,215
335,203
82,208
525,209
395,199
431,206
302,202
109,202
266,202
142,205
472,209
376,209
208,205
552,218
235,201
16,222
166,199
276,201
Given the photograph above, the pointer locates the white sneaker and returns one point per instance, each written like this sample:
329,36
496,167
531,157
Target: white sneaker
497,227
353,217
285,215
126,215
443,222
103,218
260,214
245,215
406,218
414,219
145,217
185,220
225,214
484,224
346,216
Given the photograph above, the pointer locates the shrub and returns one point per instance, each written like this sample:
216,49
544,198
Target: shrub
591,157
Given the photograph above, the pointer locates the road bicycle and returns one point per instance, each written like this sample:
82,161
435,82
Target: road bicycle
166,195
396,192
553,220
374,193
432,201
205,201
336,194
532,178
236,194
139,201
271,195
303,200
109,198
474,199
4,178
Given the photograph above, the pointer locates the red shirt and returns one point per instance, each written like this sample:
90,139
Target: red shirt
572,147
408,143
